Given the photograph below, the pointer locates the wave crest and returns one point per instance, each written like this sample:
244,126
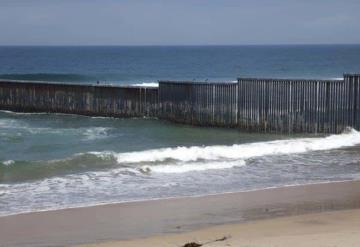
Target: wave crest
237,151
8,162
172,160
147,84
194,166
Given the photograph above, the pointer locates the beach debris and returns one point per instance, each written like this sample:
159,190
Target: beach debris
221,239
192,244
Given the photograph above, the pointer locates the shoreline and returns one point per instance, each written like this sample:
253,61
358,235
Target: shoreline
141,219
100,204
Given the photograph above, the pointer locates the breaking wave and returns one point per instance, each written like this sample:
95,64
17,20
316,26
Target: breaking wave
193,166
8,162
147,84
237,151
170,160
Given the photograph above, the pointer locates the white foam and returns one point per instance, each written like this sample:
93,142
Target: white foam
237,151
194,166
95,133
147,84
338,78
9,123
89,133
8,162
21,125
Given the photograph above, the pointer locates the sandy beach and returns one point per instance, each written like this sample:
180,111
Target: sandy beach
337,228
202,219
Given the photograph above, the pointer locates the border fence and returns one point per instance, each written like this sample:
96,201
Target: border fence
259,105
90,100
199,103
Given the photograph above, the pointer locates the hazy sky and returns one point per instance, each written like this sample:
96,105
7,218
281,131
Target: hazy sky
182,22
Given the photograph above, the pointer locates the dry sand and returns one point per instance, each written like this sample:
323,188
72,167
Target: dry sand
337,228
136,220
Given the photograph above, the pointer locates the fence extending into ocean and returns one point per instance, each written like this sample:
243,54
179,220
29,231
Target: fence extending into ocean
259,105
90,100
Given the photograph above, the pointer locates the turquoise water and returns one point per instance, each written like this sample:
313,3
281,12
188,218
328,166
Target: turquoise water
58,161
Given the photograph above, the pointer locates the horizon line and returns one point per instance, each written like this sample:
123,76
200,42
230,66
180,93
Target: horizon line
173,45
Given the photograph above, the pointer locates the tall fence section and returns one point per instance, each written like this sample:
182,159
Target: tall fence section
261,105
325,106
91,100
197,103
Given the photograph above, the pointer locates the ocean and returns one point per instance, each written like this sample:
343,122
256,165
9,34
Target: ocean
52,161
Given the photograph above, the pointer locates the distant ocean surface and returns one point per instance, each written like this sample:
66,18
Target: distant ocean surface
50,161
129,65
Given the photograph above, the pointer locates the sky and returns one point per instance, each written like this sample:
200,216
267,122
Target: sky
182,22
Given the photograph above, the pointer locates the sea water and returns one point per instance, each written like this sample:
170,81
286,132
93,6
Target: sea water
50,161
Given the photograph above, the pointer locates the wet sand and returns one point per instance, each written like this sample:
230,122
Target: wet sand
136,220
